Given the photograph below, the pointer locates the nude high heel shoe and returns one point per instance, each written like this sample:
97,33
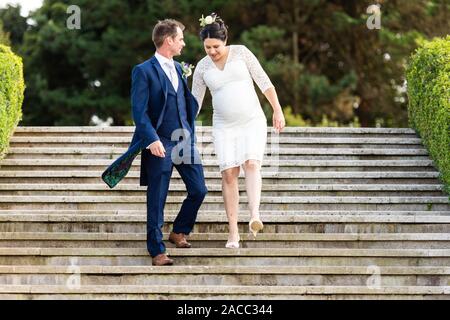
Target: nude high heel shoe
255,225
233,244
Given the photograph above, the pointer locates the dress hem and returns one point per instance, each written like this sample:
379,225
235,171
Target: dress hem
240,163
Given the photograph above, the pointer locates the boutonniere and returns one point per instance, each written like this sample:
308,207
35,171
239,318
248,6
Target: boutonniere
187,69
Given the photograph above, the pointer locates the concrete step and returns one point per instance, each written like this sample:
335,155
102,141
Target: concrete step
339,205
217,187
93,164
132,179
295,224
219,200
208,217
287,154
223,292
224,275
290,214
207,132
206,146
211,157
263,270
216,202
218,240
10,189
207,138
216,175
224,256
329,177
130,129
267,167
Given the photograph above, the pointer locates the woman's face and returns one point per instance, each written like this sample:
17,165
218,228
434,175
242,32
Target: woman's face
215,48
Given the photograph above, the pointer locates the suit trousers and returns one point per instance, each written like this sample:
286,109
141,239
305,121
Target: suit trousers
159,171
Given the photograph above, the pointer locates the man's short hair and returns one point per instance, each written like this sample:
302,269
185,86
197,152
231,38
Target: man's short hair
165,28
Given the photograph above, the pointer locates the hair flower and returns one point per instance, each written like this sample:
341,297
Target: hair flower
208,20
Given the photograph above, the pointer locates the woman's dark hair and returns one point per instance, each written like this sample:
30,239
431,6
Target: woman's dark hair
215,30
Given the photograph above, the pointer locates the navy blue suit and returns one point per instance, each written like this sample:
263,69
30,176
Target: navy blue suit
159,110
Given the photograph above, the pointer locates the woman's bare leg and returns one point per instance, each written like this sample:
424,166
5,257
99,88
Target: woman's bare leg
230,192
253,184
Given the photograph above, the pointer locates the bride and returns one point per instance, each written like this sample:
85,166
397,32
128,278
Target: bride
239,123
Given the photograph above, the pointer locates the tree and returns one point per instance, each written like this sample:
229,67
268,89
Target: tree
14,24
74,74
4,37
320,55
329,62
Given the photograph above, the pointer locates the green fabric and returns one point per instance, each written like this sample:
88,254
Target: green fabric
119,168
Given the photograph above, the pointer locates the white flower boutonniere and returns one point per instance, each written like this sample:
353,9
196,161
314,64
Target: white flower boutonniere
187,69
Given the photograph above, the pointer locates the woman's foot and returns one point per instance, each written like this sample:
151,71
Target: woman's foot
233,242
255,225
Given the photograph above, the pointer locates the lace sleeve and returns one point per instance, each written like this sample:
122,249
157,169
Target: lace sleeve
198,86
257,72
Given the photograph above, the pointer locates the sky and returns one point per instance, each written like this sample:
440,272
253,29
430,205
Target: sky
27,5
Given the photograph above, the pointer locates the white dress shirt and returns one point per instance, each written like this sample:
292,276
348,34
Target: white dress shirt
169,68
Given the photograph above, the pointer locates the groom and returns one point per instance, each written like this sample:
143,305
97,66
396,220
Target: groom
164,112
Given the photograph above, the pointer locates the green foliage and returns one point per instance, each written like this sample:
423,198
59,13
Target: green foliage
323,60
4,37
14,24
296,120
428,78
11,95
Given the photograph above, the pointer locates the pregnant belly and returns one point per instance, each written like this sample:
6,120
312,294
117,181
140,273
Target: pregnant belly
233,105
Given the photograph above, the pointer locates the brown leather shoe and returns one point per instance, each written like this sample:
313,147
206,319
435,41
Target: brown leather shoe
162,260
179,239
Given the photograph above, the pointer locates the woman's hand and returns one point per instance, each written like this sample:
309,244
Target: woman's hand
278,121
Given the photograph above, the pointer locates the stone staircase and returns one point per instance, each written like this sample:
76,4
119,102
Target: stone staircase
350,213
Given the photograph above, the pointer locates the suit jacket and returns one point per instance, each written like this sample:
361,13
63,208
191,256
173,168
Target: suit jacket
149,89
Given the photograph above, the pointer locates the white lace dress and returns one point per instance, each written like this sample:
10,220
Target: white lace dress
239,123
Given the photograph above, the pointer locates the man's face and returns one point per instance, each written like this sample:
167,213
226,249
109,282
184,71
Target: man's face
176,43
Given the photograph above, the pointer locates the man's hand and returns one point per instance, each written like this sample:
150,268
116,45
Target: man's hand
157,149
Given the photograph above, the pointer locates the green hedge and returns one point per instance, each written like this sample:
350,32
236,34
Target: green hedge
11,95
428,76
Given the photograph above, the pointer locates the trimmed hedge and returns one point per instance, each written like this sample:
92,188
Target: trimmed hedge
12,87
428,77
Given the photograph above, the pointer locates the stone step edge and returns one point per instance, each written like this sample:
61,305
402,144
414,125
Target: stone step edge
214,187
219,199
210,236
215,163
215,175
282,151
232,290
226,252
243,199
288,129
206,138
136,212
266,269
438,219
